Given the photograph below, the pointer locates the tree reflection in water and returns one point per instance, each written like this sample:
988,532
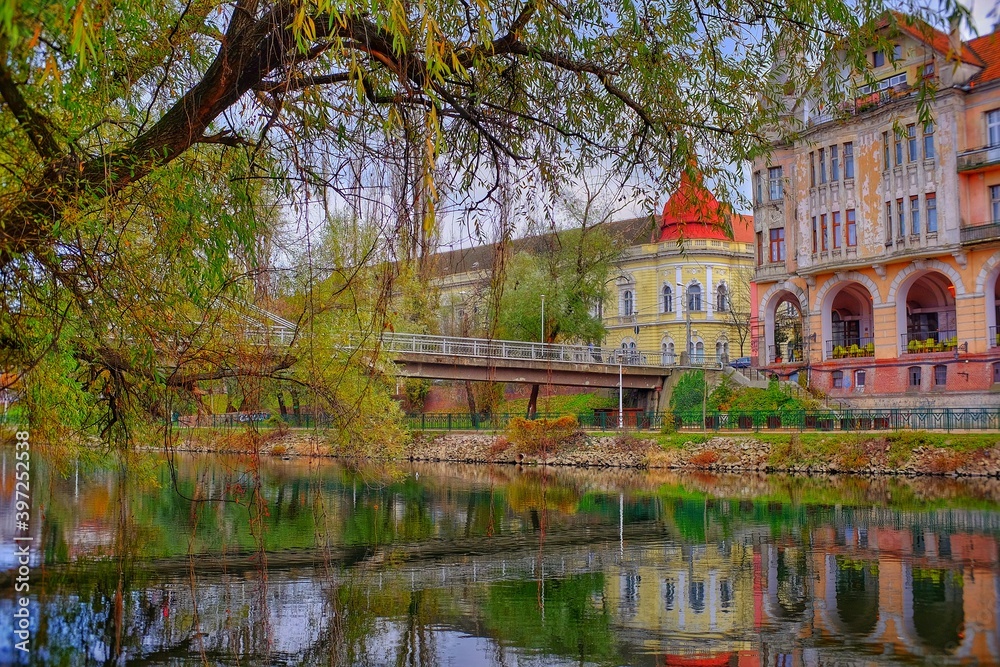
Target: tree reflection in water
234,560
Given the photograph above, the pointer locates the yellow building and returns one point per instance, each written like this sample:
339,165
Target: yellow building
683,277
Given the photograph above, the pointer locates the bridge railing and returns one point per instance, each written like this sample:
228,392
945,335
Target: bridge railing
520,350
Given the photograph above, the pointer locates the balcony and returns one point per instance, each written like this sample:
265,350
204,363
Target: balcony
769,272
986,231
850,348
978,159
929,342
784,354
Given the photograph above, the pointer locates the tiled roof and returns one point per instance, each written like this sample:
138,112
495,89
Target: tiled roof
633,231
987,48
936,39
693,212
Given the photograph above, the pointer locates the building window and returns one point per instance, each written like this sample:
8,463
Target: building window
899,149
911,143
760,248
996,373
852,228
668,299
859,379
888,221
913,372
838,379
822,232
628,303
815,236
722,299
834,163
758,188
812,169
993,127
694,297
774,183
929,141
878,59
822,166
835,230
885,151
995,203
901,217
849,160
915,215
930,204
940,375
777,247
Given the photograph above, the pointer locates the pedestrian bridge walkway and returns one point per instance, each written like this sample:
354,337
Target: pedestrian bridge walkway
510,350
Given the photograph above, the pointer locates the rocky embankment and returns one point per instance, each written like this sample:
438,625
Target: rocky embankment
871,456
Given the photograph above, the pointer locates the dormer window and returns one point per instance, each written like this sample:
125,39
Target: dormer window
897,51
878,58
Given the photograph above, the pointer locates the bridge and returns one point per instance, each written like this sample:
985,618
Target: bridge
481,359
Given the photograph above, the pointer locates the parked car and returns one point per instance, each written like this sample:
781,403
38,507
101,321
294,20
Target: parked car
742,362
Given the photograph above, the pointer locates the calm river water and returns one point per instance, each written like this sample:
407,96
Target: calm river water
308,562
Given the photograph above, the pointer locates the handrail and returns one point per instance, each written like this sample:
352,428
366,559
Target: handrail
485,348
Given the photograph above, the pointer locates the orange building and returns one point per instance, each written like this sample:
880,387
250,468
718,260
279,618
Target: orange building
878,234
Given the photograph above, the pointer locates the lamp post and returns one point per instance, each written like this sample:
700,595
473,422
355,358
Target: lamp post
687,316
543,320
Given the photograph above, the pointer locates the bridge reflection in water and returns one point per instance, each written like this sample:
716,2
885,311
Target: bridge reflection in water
476,565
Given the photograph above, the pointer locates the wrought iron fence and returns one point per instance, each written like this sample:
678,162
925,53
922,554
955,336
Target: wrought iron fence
889,419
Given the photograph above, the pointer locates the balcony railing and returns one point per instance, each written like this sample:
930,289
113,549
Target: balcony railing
775,270
928,342
850,348
784,354
986,231
978,158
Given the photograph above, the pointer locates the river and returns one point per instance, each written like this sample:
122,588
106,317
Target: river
213,560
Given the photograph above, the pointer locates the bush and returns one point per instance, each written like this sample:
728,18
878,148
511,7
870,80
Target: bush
540,437
705,458
275,421
416,391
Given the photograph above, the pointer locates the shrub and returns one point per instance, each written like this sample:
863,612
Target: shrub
540,437
275,421
705,458
499,446
416,391
279,450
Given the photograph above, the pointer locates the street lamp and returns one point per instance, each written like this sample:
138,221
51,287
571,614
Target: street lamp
687,316
543,319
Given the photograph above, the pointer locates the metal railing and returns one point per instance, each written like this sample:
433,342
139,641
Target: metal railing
784,354
977,158
986,231
927,342
887,419
847,348
483,348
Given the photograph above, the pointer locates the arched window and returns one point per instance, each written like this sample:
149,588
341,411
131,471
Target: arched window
694,297
628,303
914,376
699,352
667,353
628,351
668,299
722,299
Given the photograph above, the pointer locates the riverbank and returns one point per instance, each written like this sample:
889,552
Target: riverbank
895,453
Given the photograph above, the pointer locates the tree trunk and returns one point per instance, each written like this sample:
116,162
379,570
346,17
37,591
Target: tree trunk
295,407
533,402
472,404
282,408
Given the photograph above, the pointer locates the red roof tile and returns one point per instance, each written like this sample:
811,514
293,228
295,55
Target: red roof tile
693,212
987,48
936,39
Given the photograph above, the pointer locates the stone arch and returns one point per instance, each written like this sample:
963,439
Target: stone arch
986,284
847,314
907,276
772,298
849,276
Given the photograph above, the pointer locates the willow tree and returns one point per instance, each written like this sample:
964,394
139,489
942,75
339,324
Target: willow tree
139,138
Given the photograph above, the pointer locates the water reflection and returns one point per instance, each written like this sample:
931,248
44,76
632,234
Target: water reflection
307,562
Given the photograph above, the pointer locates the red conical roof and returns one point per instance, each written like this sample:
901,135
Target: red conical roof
693,212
